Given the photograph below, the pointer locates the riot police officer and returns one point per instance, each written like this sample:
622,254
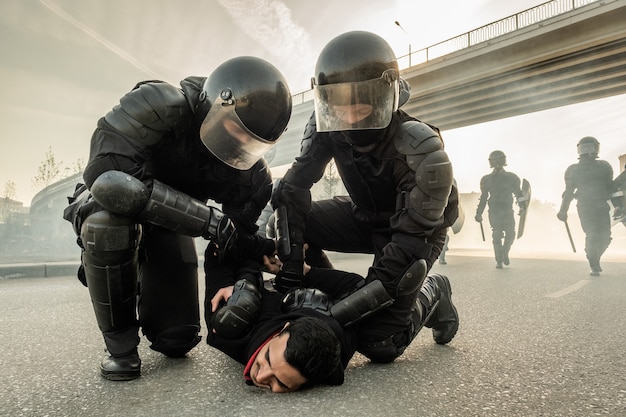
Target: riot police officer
497,190
400,183
590,182
155,160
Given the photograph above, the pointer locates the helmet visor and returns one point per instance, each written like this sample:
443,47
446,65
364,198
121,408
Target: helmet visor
588,148
357,105
225,136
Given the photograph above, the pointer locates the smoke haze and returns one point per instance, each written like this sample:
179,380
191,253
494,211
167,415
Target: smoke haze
65,63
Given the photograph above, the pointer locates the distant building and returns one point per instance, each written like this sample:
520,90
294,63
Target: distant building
46,210
9,208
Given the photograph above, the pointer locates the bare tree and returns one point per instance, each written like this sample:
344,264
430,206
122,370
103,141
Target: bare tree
49,171
10,190
330,180
79,166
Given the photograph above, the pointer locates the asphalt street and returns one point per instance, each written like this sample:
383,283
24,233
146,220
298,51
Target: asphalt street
538,338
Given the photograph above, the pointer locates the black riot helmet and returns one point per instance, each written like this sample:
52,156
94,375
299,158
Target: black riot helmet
497,159
356,83
588,146
244,108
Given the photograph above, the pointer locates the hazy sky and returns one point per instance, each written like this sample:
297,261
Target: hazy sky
65,63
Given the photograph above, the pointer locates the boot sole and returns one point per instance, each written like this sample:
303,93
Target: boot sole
120,376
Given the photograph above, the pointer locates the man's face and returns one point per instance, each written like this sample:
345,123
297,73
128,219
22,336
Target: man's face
353,113
271,370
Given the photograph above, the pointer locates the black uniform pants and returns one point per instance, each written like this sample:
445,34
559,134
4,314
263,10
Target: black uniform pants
168,285
595,220
166,271
332,226
502,222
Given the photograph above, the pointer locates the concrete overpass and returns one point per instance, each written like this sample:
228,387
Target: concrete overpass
558,53
573,57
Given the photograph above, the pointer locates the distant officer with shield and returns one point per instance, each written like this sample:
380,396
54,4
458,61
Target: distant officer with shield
619,216
590,181
497,190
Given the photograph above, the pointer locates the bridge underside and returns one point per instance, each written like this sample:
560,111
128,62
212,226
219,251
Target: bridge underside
571,58
576,57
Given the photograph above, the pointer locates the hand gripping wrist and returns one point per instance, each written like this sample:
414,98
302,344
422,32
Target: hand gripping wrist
291,273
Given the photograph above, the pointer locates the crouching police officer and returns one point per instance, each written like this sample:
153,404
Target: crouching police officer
402,198
155,160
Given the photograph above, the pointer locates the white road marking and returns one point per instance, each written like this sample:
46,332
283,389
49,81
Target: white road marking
571,288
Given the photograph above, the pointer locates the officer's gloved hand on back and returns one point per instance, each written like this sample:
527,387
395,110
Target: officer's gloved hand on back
243,246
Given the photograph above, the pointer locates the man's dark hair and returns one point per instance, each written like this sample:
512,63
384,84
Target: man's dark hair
313,349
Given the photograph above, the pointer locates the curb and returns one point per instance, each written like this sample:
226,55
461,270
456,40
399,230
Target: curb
38,270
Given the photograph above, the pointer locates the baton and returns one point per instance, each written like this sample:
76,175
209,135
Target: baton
482,231
569,234
283,241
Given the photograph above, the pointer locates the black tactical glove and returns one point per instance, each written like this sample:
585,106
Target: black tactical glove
292,271
246,246
224,236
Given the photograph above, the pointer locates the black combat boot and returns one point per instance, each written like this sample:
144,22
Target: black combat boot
497,251
123,368
441,315
505,254
595,267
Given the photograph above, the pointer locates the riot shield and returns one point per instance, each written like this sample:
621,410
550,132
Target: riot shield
458,223
526,194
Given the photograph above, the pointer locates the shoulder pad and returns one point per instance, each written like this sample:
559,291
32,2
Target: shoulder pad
192,87
149,110
434,179
570,172
607,165
415,138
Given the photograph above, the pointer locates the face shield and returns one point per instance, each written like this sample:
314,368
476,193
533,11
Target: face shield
226,136
358,105
588,148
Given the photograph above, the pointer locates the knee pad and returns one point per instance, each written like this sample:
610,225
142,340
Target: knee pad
412,278
240,312
110,266
306,298
110,239
175,342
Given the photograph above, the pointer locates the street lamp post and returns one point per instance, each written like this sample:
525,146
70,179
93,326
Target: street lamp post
408,38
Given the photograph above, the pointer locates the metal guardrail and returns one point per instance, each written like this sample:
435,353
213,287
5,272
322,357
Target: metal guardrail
490,31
